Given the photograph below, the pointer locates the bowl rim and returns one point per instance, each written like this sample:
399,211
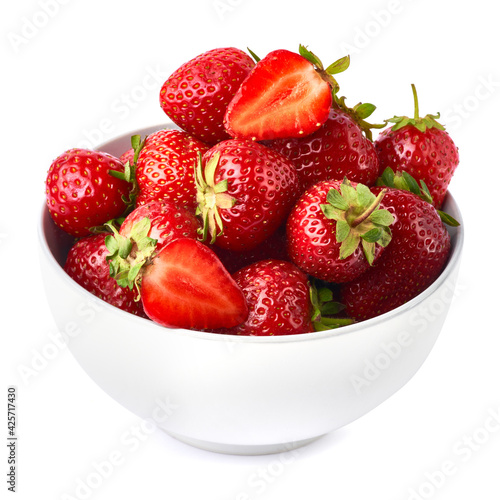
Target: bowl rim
457,235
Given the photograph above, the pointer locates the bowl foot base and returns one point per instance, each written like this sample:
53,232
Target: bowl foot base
243,449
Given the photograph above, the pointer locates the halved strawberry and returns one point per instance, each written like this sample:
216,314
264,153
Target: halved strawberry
285,95
187,286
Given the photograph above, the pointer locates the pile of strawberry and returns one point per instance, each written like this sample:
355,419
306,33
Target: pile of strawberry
270,210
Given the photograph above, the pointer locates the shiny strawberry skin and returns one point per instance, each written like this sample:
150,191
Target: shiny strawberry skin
186,286
265,186
168,222
312,243
128,156
411,262
196,95
430,156
277,294
80,192
86,264
273,247
165,168
336,150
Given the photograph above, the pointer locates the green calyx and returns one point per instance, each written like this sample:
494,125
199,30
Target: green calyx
359,219
403,180
128,174
211,198
324,310
127,256
326,73
422,124
360,111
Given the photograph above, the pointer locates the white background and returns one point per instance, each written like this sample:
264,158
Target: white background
77,70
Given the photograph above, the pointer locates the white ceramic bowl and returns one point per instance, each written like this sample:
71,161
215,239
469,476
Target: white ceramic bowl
243,395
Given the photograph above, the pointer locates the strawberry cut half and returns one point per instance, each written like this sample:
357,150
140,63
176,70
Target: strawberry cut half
186,286
284,96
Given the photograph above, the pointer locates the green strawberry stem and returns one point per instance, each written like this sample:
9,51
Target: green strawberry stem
128,256
369,210
422,124
415,101
359,220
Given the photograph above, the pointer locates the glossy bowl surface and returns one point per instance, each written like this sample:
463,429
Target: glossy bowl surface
243,395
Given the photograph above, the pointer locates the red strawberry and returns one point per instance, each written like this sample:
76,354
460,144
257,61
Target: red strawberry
128,156
336,150
167,222
421,147
244,193
81,192
87,265
336,230
286,95
165,168
278,298
188,287
273,247
196,95
411,262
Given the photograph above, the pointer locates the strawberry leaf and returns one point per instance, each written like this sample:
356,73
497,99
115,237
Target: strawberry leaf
448,219
129,175
324,308
331,308
349,245
358,113
310,56
343,230
349,193
421,124
368,250
373,235
358,219
406,182
386,237
382,217
325,295
364,110
365,196
256,58
339,66
331,212
336,200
